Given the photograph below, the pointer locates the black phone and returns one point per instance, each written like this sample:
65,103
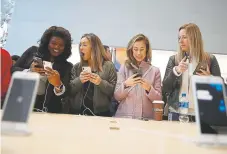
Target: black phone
201,65
39,62
138,73
187,56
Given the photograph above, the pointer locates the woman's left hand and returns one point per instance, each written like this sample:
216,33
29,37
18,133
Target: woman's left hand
95,78
53,77
204,73
145,85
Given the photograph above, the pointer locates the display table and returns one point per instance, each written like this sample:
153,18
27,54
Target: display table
71,134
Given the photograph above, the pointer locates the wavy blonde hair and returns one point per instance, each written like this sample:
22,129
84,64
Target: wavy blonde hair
195,40
129,51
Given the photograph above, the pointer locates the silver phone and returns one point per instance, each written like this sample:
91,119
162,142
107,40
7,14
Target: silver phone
86,69
19,102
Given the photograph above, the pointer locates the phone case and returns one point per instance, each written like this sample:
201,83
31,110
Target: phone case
201,65
87,69
47,64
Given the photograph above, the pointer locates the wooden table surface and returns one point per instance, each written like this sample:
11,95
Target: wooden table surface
71,134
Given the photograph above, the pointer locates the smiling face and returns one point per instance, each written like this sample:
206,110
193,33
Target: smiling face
139,51
56,46
183,40
85,48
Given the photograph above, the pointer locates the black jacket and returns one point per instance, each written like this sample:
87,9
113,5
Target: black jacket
102,93
52,102
172,83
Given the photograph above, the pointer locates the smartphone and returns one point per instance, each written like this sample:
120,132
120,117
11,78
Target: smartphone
210,107
19,102
201,65
86,69
47,64
138,73
39,62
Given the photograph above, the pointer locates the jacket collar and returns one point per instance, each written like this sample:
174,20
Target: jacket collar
143,64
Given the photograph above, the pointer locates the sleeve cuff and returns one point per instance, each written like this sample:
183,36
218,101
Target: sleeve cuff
59,93
26,70
150,91
175,72
102,84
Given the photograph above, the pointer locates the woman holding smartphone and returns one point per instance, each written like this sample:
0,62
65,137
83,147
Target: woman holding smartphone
190,59
93,79
54,49
139,82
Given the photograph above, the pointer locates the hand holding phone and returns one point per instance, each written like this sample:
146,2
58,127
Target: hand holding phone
85,75
38,61
37,66
132,80
183,66
201,66
53,77
138,73
95,78
145,85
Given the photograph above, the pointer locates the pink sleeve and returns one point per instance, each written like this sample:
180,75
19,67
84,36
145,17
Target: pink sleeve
155,92
120,91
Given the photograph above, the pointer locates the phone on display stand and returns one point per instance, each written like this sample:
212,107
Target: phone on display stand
19,103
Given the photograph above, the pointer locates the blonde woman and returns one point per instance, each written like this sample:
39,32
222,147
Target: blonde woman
183,65
139,82
92,91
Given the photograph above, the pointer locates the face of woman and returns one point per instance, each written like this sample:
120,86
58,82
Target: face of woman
183,41
108,54
139,51
85,48
56,46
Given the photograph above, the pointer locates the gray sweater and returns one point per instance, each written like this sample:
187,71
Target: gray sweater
102,92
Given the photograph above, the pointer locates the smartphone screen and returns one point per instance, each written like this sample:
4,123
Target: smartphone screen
19,100
212,108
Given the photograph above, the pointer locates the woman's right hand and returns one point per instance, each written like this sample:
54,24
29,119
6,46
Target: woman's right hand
85,76
33,68
183,66
132,80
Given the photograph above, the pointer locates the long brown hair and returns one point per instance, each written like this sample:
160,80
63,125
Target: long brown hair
130,59
195,43
98,55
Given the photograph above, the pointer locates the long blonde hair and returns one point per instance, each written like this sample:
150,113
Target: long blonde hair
195,43
130,58
98,55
